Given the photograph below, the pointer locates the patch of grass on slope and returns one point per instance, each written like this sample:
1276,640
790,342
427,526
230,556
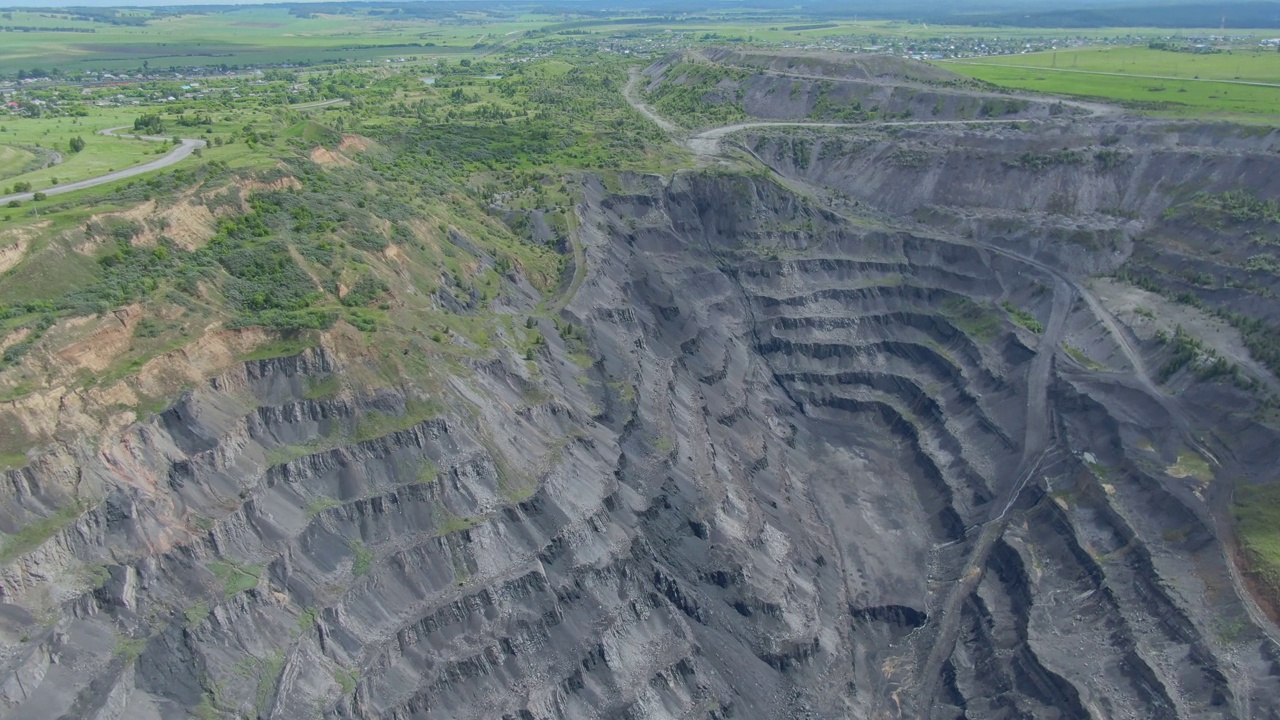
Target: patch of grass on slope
33,535
971,318
1257,515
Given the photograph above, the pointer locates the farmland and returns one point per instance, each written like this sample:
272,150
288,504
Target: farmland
273,36
1244,64
249,37
1173,83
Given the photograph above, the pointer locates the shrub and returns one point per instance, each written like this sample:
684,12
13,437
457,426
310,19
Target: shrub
367,289
153,124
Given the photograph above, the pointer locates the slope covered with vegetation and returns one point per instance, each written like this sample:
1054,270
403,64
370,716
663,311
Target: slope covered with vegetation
394,212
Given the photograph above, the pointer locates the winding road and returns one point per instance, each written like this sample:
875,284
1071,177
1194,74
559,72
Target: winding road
707,142
179,152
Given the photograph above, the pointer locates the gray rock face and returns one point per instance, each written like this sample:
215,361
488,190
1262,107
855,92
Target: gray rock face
815,471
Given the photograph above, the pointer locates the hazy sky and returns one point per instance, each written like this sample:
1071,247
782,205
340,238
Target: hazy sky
907,7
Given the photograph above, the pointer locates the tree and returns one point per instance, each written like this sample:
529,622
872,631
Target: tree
22,186
77,144
149,123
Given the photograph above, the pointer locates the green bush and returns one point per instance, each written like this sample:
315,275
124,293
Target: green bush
149,124
365,290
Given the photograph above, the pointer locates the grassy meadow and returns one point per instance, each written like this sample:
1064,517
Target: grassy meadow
101,154
15,160
1204,85
249,36
1252,65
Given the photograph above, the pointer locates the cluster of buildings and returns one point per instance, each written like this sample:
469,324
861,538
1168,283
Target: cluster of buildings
648,43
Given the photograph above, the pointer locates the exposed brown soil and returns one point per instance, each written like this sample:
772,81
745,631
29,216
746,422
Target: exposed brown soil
97,352
324,157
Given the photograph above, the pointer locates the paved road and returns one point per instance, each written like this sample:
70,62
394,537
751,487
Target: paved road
316,104
1117,74
180,152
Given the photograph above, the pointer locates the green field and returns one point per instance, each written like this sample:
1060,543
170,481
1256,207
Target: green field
1207,84
258,36
245,37
101,154
15,160
1253,65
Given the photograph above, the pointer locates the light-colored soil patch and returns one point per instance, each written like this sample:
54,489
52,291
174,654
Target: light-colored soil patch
189,225
14,338
350,144
393,253
354,142
326,158
105,411
214,352
1190,465
287,182
96,352
135,215
14,243
11,255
